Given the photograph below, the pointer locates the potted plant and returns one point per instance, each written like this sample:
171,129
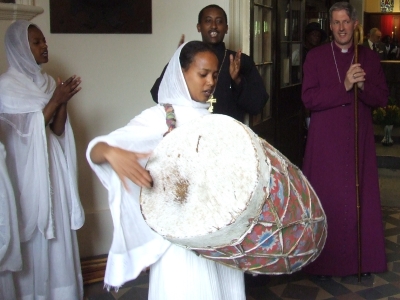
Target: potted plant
388,117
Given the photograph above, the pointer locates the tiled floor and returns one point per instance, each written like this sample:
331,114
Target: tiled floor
301,286
377,286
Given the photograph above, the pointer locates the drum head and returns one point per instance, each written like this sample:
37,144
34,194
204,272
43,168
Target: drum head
210,179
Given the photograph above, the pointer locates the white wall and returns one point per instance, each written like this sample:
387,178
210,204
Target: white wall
359,6
117,72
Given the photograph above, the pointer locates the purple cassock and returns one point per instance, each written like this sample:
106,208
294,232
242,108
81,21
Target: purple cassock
329,161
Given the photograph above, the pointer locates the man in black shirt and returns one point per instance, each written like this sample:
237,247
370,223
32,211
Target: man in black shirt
240,88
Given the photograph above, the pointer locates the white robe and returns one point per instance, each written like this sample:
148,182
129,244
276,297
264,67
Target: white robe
10,253
175,273
42,168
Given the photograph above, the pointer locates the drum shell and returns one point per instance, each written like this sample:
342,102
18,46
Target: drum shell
299,233
281,226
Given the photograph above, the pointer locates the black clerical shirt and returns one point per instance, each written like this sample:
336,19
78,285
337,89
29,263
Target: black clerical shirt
233,100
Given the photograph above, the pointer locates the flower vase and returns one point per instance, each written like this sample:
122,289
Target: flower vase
387,136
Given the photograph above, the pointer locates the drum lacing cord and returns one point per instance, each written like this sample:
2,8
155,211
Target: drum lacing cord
170,118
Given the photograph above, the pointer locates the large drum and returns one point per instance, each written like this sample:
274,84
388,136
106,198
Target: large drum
228,195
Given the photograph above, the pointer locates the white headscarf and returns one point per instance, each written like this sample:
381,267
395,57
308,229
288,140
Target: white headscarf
173,88
24,88
19,54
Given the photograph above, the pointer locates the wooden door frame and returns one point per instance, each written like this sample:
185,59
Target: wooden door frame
239,25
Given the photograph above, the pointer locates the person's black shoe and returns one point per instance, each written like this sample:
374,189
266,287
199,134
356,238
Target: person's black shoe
323,277
251,280
368,274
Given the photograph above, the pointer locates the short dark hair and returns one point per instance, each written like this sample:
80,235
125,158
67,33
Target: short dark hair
189,51
211,6
350,10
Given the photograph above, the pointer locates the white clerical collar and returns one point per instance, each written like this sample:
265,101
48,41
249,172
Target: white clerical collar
370,44
345,50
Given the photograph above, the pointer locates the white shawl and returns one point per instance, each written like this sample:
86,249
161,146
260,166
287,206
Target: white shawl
135,246
31,147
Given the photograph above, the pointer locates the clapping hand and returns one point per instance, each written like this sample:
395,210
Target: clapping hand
234,67
65,90
56,108
181,41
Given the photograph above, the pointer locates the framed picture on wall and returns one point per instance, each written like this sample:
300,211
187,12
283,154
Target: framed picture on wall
100,16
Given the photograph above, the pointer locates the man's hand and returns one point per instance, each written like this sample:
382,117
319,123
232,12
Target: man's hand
355,74
234,67
181,41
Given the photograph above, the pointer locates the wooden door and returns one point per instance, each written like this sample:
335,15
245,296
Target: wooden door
263,52
290,113
276,45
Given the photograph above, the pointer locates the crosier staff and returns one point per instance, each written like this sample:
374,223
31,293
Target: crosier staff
357,39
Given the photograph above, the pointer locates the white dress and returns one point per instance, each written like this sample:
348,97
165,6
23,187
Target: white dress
175,273
10,254
42,170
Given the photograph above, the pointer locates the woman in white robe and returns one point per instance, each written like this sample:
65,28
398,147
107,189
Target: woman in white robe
10,253
118,160
41,161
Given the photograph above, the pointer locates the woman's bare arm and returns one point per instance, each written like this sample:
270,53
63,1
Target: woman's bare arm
56,108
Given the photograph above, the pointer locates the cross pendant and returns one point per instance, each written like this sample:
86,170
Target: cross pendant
211,101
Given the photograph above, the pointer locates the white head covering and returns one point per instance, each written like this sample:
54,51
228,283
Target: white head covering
173,88
19,54
24,87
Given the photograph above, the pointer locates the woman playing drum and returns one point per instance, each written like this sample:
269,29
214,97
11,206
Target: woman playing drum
119,158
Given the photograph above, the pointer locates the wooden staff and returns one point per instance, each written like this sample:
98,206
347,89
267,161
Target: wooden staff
357,39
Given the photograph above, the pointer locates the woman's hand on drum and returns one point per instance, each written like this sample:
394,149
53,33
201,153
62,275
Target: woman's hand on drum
124,163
